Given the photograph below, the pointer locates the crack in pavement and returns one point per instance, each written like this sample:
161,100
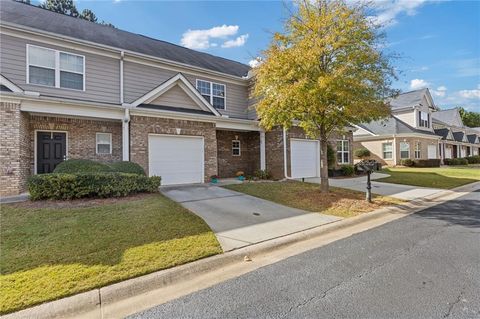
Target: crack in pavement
452,305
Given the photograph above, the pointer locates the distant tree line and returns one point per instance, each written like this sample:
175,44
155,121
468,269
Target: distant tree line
470,119
68,7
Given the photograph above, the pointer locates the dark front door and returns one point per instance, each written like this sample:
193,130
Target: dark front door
454,151
51,150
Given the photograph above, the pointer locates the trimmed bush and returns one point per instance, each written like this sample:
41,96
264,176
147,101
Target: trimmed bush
127,167
348,170
262,174
407,162
362,153
475,159
72,186
81,166
433,162
455,161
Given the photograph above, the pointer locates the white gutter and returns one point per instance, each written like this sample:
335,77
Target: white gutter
394,150
122,55
126,136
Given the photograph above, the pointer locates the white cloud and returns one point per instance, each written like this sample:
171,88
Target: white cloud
388,10
417,84
255,62
238,42
470,94
441,91
200,39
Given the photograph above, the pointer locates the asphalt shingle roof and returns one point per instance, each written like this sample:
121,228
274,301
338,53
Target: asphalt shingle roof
391,125
45,20
449,117
443,132
471,138
458,136
408,99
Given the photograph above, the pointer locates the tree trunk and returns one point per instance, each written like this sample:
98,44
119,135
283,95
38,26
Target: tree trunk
324,165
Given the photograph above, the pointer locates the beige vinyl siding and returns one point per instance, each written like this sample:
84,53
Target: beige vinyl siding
176,97
140,79
407,117
102,74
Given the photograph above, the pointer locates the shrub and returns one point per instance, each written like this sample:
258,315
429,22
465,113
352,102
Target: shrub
71,186
262,174
462,161
362,153
81,166
331,159
433,162
475,159
407,162
455,161
127,167
348,170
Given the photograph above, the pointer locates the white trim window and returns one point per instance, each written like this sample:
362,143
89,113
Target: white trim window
236,149
103,143
343,152
418,153
214,93
404,150
423,119
55,68
387,150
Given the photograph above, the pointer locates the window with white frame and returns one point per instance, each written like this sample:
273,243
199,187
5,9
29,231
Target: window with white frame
214,93
104,143
343,152
417,150
236,148
424,119
387,149
404,150
55,68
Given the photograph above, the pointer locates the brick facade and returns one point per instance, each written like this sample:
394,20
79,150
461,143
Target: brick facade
141,126
81,136
249,159
14,149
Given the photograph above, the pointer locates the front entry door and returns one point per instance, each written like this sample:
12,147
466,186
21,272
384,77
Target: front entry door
51,150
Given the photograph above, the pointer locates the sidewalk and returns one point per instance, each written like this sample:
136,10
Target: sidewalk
130,296
405,192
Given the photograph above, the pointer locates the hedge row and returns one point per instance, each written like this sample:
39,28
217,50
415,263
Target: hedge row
75,166
473,159
433,162
103,184
455,161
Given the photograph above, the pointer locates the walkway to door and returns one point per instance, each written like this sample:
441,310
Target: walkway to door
240,220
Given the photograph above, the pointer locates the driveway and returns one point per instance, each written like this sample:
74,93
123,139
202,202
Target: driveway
405,192
240,220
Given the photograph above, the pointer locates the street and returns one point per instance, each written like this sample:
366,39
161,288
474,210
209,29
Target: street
426,265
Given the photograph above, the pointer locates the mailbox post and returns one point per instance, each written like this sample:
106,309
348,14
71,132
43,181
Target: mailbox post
368,167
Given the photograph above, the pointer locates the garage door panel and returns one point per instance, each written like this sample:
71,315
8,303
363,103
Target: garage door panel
304,157
177,159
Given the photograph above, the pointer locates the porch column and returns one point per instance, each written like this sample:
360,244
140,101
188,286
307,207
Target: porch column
262,150
126,136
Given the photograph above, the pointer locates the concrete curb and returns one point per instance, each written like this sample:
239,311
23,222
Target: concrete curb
93,300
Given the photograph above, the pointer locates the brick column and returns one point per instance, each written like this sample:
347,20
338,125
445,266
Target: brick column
15,152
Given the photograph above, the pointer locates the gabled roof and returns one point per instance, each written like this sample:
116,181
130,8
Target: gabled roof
45,20
185,85
390,126
445,133
450,117
459,137
411,99
472,138
9,86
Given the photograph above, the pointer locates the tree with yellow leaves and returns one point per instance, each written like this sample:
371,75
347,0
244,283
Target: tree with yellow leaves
326,71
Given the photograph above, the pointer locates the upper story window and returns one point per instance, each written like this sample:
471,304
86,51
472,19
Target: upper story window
343,154
213,93
423,119
55,68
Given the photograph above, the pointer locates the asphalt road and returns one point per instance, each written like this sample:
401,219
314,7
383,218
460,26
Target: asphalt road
426,265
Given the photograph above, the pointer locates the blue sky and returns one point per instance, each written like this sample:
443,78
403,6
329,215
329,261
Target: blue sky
439,41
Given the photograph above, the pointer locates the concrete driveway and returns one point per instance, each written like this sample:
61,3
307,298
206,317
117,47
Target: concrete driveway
405,192
240,220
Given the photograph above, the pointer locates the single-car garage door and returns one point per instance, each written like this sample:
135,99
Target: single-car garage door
177,159
305,161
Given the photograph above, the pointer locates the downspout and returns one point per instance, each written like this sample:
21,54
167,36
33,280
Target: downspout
285,170
394,150
122,56
126,135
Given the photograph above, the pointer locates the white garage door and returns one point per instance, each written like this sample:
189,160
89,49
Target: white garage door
177,159
305,160
432,151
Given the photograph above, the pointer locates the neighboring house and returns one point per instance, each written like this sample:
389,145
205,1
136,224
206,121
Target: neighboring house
417,130
70,89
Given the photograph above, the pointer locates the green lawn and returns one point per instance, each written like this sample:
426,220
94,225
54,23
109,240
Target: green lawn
307,196
50,252
436,177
